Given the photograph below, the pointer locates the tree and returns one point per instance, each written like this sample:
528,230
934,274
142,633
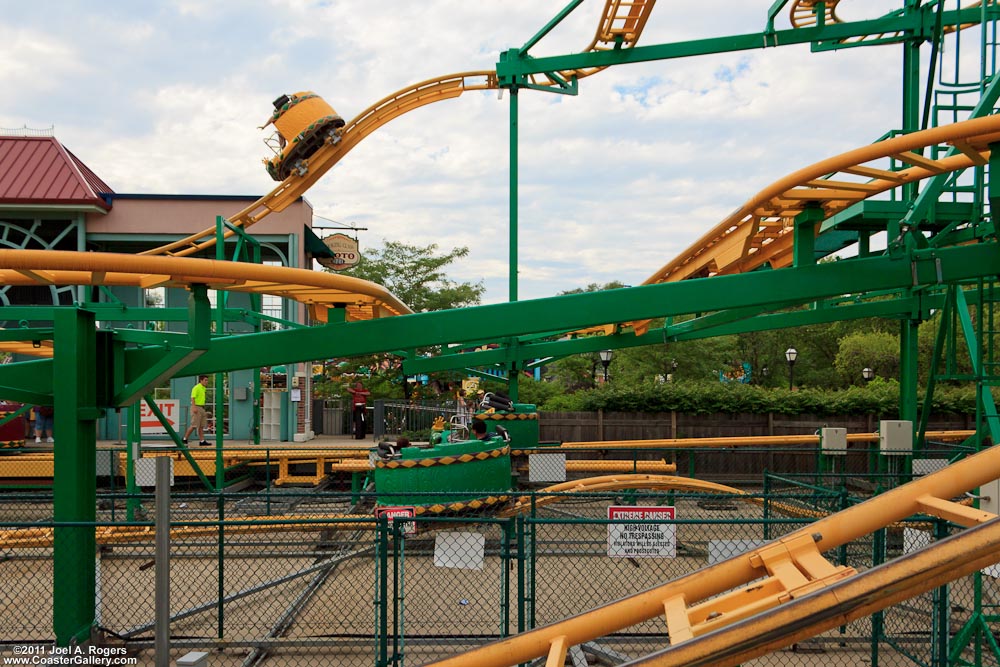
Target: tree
417,275
874,349
580,371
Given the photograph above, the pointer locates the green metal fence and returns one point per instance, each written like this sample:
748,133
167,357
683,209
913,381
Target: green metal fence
309,576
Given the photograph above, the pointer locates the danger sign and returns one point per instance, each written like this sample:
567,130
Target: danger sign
641,540
395,513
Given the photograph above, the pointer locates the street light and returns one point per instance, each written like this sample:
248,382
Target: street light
605,361
867,374
791,354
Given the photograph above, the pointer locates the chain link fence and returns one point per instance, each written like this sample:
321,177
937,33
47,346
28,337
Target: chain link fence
312,576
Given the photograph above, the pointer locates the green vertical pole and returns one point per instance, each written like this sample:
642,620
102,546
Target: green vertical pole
513,194
75,476
505,528
767,507
132,452
382,593
396,570
941,610
532,563
878,618
911,87
522,593
220,324
909,354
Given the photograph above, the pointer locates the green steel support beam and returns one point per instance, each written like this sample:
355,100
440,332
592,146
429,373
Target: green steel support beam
184,449
566,11
558,349
909,354
987,406
804,235
802,284
993,187
166,367
934,186
42,333
576,311
512,231
75,475
512,69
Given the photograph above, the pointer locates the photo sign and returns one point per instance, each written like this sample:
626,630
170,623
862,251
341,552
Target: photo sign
627,539
345,252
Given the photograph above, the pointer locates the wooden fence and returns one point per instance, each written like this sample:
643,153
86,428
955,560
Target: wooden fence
600,425
730,464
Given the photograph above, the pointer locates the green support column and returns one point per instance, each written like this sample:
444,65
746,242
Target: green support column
75,482
512,382
911,88
513,194
804,253
908,357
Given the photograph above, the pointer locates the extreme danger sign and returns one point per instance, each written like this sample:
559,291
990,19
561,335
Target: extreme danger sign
641,540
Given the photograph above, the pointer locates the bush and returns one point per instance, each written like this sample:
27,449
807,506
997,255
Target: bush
879,397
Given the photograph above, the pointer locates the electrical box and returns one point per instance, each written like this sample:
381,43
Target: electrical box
240,393
295,381
989,500
895,437
833,441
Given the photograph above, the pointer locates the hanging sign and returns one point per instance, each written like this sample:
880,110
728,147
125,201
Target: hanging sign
641,540
345,252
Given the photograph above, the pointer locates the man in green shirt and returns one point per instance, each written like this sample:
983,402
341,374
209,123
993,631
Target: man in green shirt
199,418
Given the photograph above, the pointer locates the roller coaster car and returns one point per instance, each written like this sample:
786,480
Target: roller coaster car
304,122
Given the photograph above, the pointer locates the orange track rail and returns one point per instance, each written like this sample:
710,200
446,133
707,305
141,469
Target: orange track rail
621,25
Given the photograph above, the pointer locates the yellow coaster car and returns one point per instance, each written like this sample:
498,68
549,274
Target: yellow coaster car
304,122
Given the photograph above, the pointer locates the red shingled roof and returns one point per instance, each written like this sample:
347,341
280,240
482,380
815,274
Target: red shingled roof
40,170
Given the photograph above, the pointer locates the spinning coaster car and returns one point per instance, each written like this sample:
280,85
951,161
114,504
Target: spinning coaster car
304,123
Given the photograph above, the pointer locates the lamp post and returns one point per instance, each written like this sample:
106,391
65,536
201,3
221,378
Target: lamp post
791,354
868,374
605,361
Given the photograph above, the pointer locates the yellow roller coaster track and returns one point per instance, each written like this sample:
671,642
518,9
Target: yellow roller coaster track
787,587
318,291
620,26
43,537
761,230
803,14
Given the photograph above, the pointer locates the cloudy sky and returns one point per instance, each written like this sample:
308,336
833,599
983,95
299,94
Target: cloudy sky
166,97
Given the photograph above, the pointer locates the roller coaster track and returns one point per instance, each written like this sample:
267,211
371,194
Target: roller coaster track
620,26
784,591
42,536
761,231
803,14
317,290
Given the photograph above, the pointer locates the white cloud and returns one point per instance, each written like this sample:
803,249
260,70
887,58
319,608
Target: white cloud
613,182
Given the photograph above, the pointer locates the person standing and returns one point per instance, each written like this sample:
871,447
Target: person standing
44,417
359,402
199,418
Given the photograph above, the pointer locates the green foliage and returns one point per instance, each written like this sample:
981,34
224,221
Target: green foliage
872,349
418,276
879,397
530,391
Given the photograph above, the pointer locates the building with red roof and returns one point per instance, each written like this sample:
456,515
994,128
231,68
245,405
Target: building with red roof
51,200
